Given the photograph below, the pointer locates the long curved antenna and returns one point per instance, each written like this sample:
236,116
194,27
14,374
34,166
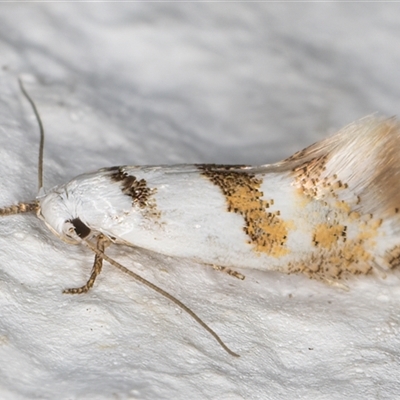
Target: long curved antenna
41,146
162,292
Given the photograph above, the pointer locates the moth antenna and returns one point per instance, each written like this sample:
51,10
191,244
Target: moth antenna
31,206
163,293
41,145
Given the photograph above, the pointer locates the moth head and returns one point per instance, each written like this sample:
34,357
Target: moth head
62,220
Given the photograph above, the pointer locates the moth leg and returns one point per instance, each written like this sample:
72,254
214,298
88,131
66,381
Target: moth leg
19,209
102,243
337,284
229,271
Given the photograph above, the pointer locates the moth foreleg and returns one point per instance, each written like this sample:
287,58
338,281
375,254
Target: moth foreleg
102,243
229,271
19,208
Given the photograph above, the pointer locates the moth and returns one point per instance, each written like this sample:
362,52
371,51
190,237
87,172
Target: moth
330,211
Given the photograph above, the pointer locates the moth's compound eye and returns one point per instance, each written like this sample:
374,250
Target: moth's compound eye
79,228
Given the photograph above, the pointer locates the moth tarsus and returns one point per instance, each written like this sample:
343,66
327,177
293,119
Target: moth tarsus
102,243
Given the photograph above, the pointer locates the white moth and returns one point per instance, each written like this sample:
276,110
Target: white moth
329,211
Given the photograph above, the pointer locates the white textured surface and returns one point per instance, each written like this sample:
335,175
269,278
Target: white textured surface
165,83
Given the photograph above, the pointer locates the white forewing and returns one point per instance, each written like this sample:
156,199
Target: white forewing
329,211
